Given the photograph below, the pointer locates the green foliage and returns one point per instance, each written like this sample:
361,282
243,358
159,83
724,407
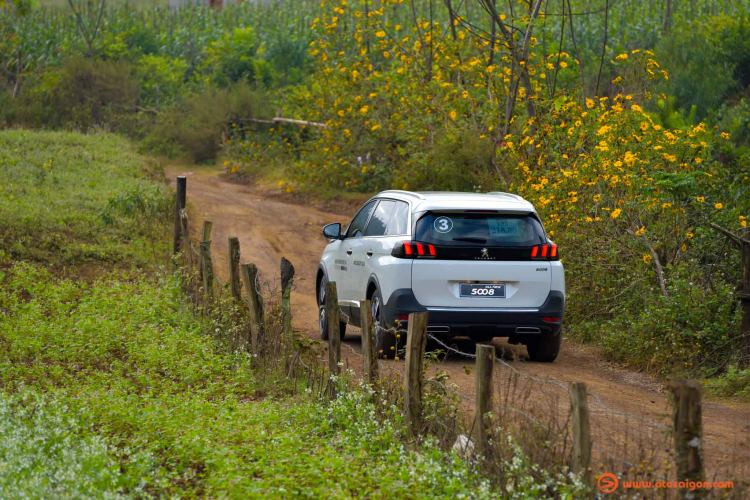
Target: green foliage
81,95
233,57
162,79
455,164
46,453
734,382
182,417
707,60
53,188
695,333
199,121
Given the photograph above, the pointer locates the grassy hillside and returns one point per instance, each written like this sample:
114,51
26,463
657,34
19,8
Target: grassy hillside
64,197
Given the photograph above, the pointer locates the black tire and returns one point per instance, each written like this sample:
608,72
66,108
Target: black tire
322,320
385,341
545,348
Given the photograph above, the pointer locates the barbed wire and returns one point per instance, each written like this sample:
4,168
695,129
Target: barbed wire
592,395
725,449
628,414
353,351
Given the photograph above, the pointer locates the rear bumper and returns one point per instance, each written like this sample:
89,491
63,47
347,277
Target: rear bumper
451,322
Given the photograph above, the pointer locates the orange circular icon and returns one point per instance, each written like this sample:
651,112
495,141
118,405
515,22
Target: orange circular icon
608,482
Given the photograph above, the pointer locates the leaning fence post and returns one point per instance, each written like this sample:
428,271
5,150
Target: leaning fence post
688,433
234,268
485,364
579,409
287,275
254,304
208,270
416,339
332,321
206,265
370,355
180,198
205,236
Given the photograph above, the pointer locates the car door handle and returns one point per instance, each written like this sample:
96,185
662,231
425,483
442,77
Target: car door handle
349,252
369,253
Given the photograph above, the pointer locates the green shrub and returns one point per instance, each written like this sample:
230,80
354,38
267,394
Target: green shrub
201,120
707,61
81,94
162,79
735,382
694,333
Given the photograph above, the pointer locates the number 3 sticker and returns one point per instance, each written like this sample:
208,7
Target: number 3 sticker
443,225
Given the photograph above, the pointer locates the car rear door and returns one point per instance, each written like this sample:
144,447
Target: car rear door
388,225
490,248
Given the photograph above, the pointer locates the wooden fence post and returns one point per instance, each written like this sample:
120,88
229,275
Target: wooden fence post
207,271
206,264
205,236
332,320
234,268
416,340
180,198
185,241
287,277
688,433
254,304
370,355
579,410
484,365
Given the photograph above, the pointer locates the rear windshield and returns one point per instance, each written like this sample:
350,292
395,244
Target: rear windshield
506,230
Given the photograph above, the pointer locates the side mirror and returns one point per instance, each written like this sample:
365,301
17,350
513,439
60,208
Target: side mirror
332,231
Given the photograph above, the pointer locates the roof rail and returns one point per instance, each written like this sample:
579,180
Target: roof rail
511,195
405,193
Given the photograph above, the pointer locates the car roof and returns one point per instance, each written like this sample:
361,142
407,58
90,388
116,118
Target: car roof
446,200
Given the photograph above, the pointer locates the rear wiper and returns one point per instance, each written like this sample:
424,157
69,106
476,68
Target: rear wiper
471,240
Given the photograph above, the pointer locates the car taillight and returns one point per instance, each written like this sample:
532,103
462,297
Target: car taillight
414,250
544,252
402,317
551,319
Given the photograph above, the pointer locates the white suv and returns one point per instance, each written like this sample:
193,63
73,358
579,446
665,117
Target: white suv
480,264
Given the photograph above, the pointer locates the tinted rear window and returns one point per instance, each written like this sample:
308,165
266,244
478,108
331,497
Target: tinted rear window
506,230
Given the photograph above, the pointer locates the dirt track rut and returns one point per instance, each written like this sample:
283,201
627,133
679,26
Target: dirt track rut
268,228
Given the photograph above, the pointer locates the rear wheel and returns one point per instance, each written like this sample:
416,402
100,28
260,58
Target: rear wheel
322,319
545,348
385,341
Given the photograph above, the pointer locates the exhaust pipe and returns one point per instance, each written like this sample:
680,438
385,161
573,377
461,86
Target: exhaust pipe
439,329
527,330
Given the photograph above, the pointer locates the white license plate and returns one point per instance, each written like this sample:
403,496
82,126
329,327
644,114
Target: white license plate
482,290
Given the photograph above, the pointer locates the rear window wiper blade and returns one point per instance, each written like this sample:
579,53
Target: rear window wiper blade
471,240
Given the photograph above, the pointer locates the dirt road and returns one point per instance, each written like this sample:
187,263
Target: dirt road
269,227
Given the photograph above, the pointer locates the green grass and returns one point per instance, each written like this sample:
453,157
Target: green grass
55,192
146,387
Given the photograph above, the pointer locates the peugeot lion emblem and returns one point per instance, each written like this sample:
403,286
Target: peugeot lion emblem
485,253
